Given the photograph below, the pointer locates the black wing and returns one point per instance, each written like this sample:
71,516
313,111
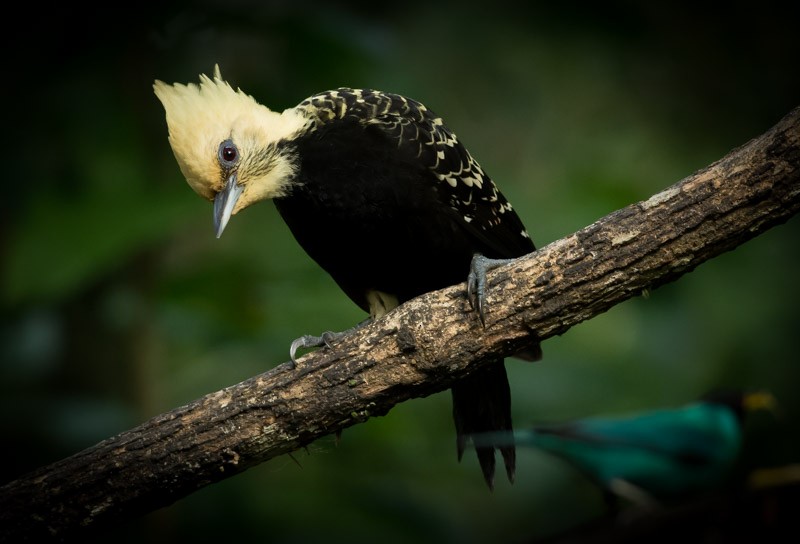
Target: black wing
461,183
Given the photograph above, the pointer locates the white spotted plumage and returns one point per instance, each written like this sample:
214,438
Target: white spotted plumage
473,194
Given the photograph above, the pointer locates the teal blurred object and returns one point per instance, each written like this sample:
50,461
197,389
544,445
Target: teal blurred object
654,455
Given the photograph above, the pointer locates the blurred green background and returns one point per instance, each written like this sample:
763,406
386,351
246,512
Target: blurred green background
118,303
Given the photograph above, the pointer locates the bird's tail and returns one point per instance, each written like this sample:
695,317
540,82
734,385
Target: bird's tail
482,404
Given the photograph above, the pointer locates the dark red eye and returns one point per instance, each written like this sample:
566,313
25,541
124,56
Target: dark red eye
228,154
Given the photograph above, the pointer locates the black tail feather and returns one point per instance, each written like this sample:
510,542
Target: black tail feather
482,403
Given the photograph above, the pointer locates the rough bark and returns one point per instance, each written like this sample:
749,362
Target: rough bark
418,349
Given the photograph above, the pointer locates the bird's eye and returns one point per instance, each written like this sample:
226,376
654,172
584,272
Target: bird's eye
228,154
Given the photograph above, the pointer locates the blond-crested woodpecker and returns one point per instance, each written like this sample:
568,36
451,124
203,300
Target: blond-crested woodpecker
377,190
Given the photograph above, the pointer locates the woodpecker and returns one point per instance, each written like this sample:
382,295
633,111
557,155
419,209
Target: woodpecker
377,190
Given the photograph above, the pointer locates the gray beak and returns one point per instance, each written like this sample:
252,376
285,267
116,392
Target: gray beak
224,203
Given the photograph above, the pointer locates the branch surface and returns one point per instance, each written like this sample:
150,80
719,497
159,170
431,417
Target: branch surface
418,349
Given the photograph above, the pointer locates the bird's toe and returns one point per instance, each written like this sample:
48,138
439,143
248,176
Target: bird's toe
309,341
476,282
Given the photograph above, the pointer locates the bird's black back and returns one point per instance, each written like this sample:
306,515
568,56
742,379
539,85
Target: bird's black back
371,208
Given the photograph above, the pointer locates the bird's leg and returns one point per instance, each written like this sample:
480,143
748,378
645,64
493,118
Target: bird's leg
476,281
325,339
633,494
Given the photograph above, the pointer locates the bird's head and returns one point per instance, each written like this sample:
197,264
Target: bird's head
744,402
230,148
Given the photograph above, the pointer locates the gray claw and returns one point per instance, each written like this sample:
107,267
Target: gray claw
306,341
324,339
476,282
309,341
476,285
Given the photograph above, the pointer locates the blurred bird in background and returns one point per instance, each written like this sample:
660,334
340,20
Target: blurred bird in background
652,456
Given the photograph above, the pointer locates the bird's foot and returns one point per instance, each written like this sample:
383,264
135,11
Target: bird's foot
325,339
642,502
476,282
308,341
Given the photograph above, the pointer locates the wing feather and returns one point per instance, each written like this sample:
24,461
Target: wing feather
462,185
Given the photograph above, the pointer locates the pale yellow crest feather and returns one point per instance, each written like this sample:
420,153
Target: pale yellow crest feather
200,117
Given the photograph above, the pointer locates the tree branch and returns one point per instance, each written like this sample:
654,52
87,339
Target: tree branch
416,350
